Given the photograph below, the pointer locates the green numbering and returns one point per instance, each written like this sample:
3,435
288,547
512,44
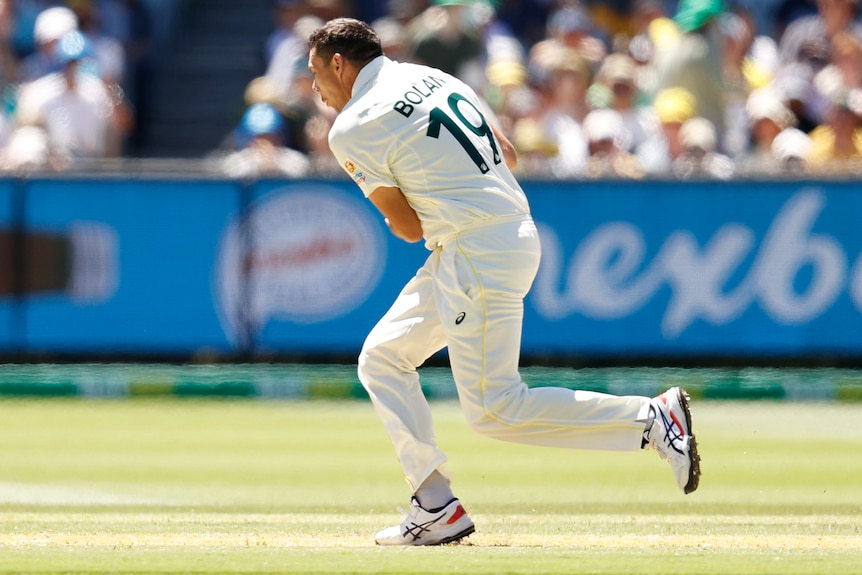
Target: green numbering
438,117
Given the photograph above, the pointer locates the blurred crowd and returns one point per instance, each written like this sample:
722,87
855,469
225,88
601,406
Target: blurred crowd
621,89
71,74
584,88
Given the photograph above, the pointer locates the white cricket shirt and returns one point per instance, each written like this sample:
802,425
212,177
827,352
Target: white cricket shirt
423,131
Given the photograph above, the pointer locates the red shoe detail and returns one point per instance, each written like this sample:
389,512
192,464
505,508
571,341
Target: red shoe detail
459,513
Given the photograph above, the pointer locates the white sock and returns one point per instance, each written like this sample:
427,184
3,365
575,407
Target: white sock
435,492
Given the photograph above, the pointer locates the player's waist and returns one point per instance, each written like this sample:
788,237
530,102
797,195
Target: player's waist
481,226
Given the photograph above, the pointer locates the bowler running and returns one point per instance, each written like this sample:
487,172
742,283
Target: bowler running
423,149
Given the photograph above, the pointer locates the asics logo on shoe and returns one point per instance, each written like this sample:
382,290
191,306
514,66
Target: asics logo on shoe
416,530
672,436
673,429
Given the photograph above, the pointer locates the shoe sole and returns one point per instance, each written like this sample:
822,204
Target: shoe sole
694,470
455,538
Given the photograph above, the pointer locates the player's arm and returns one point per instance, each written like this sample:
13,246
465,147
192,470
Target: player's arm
506,147
399,216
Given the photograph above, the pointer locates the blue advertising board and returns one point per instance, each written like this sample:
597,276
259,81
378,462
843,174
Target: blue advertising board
707,268
139,272
669,269
319,267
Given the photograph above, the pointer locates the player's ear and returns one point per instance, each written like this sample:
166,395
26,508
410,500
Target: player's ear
337,63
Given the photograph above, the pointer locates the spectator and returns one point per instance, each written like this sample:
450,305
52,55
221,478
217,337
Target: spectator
618,74
698,157
8,69
837,143
72,104
291,55
499,45
285,15
791,150
572,26
508,93
27,150
443,37
295,109
767,116
808,40
737,31
754,71
108,57
660,34
535,148
608,156
847,58
644,13
393,38
563,77
795,85
51,24
693,60
260,149
806,48
563,105
673,107
108,52
761,63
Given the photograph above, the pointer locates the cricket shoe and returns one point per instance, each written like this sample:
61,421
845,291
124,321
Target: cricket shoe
671,436
422,527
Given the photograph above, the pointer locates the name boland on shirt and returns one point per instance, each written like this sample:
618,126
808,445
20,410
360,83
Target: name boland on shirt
424,131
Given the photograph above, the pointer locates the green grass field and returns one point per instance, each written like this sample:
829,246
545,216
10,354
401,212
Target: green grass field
251,486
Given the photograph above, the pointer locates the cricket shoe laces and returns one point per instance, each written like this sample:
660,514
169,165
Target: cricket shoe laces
671,436
420,526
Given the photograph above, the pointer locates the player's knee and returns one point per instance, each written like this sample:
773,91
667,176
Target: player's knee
498,417
373,364
490,425
365,364
484,424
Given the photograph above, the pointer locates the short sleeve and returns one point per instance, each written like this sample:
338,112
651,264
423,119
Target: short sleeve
362,152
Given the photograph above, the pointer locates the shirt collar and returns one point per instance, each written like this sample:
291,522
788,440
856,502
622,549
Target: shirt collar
368,73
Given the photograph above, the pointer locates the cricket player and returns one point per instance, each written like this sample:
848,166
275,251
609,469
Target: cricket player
420,146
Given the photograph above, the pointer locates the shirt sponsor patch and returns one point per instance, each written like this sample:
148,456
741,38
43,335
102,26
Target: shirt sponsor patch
358,177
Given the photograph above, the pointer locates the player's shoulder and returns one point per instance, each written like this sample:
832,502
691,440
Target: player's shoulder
423,71
342,128
411,84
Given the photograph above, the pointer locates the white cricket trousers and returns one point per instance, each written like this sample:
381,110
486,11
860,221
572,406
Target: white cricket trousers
468,296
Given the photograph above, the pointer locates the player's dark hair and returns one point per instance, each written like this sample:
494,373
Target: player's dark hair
353,39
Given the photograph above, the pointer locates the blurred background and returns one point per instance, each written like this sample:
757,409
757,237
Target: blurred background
167,193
